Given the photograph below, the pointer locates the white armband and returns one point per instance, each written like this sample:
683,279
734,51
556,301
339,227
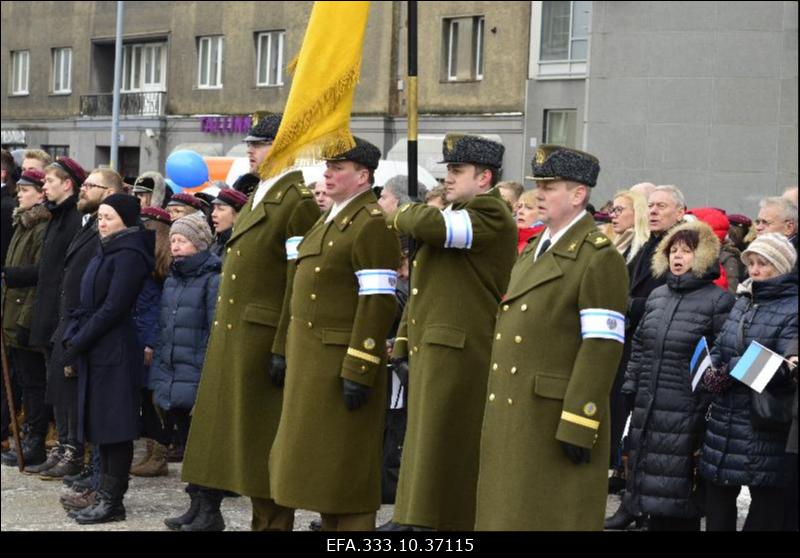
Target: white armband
376,281
291,247
602,324
458,225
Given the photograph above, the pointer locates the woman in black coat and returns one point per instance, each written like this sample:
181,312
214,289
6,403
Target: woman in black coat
668,423
102,343
736,452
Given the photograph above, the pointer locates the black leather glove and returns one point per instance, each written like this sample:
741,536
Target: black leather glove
576,454
277,370
23,336
630,401
400,367
355,394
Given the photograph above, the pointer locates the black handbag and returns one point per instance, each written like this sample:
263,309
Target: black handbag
771,410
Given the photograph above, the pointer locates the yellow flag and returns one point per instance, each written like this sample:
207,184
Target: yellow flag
316,120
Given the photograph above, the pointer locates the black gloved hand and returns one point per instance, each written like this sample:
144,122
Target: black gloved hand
400,367
576,454
23,336
355,394
630,401
277,370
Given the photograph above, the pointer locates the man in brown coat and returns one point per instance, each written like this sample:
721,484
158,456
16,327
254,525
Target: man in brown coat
557,343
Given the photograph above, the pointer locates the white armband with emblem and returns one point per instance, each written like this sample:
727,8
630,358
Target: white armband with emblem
458,225
376,281
291,247
600,323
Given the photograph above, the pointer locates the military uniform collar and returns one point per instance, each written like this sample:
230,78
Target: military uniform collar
356,204
570,242
272,190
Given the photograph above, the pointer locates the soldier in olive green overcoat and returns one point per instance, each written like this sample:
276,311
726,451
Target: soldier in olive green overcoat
459,274
328,449
557,344
238,406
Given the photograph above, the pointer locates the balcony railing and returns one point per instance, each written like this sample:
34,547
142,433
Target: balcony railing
151,103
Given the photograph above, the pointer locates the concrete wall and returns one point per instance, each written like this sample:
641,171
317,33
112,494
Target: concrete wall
702,95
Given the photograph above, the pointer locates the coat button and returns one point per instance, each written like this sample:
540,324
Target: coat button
414,263
414,291
228,251
363,368
233,276
498,336
310,325
238,252
523,307
413,321
316,270
510,401
505,307
230,301
518,339
416,349
491,397
513,369
219,298
313,296
216,323
19,301
330,243
494,366
230,326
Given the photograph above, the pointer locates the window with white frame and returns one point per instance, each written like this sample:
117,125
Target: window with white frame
462,51
269,58
20,62
209,62
62,70
560,39
561,127
144,67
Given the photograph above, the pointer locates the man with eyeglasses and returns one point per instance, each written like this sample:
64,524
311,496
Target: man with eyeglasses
62,180
777,214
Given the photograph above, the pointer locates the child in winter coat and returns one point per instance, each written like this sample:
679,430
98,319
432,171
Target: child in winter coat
187,312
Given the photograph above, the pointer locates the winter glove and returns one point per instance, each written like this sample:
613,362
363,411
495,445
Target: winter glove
576,454
630,401
277,370
23,336
355,394
400,367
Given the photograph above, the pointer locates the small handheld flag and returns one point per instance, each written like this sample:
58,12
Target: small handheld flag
757,366
700,362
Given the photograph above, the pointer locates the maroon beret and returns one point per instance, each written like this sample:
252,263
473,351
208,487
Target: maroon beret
72,168
740,220
156,214
231,197
187,199
32,177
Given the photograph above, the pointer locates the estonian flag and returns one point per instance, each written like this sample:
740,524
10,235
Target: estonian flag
757,366
701,360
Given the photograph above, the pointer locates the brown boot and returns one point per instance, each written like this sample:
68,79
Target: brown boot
156,466
78,500
148,454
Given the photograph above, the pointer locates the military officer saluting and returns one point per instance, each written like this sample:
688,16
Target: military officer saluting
558,341
459,274
328,449
238,404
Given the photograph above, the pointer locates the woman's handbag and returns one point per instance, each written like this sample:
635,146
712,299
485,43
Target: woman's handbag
771,410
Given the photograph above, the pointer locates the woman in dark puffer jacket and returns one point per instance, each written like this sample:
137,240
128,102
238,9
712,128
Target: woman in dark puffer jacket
735,453
668,417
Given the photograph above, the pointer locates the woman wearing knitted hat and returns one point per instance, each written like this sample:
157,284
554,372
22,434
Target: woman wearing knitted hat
187,313
226,207
737,452
101,344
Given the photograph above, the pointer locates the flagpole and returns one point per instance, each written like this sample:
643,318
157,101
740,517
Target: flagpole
412,98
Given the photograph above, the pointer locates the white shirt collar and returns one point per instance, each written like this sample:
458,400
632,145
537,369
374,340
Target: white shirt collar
337,208
556,237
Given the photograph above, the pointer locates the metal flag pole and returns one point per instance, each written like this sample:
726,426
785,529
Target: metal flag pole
412,98
114,156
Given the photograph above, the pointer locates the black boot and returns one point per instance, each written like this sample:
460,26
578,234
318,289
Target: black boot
69,464
175,523
53,458
208,518
109,502
399,527
620,521
33,452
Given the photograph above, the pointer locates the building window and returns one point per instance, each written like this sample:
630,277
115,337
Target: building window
19,72
561,127
209,60
56,150
62,70
269,56
144,67
559,42
462,50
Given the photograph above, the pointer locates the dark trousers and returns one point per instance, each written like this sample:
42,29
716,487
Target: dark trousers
32,376
152,426
65,408
765,513
116,459
790,494
393,437
662,523
180,420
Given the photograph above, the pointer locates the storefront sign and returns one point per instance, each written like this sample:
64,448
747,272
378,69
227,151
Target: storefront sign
225,124
15,137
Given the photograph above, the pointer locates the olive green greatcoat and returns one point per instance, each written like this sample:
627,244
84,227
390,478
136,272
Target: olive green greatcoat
325,457
547,385
24,250
238,408
449,321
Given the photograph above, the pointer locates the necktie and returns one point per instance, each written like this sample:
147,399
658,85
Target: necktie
543,248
